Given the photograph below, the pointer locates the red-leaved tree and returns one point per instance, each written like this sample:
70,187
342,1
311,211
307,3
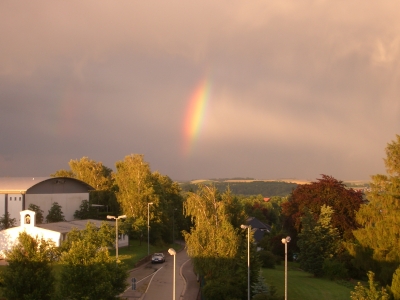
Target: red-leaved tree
329,191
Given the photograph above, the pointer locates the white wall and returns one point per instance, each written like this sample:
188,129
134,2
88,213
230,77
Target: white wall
9,237
69,202
2,204
15,206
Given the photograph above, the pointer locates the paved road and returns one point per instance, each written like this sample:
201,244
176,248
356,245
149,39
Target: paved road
154,282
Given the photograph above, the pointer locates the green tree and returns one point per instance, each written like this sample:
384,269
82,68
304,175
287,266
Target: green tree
85,211
39,213
55,213
135,188
215,246
6,221
87,170
88,272
318,240
372,292
395,287
29,273
379,216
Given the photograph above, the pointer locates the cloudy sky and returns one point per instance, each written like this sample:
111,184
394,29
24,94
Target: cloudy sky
286,89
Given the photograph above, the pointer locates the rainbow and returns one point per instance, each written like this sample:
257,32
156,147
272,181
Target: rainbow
195,115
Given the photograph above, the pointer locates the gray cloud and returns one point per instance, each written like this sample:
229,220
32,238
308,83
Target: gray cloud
298,88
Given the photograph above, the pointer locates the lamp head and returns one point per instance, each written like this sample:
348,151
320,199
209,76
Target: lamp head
110,217
171,251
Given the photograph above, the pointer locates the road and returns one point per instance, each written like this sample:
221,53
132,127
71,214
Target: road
155,281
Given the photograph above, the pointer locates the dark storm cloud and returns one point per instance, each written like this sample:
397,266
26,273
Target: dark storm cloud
298,88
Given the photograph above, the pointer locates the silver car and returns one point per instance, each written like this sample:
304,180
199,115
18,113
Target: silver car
157,258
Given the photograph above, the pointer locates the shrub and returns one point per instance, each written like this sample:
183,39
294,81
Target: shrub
334,269
267,258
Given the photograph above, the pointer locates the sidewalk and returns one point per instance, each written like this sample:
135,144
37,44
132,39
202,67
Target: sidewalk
192,287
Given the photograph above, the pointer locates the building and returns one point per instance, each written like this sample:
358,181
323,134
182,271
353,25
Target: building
259,228
17,193
56,232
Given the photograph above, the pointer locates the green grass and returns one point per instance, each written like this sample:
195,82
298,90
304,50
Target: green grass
135,252
302,285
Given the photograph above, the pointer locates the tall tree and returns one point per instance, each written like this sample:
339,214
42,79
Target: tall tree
318,240
93,173
326,191
380,216
135,186
214,244
29,272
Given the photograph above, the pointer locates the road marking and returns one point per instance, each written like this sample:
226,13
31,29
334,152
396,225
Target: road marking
152,274
184,279
151,279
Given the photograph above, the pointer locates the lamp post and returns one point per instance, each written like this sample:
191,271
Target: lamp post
116,232
248,258
173,225
286,241
173,253
148,227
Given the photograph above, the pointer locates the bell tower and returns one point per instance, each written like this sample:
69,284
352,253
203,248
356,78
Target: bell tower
27,218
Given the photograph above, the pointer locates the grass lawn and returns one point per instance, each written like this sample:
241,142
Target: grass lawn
135,252
302,285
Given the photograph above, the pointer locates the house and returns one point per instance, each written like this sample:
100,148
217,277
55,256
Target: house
56,232
17,193
259,228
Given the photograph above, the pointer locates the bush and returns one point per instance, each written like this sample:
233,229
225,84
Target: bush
334,269
395,288
267,258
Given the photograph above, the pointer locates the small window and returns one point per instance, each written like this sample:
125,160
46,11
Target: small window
19,198
15,198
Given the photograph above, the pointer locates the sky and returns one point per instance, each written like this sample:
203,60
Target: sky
203,89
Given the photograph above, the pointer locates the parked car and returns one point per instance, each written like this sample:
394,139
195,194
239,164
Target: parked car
157,258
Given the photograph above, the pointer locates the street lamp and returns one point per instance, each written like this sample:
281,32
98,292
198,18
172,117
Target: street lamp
148,227
248,258
173,225
116,232
286,241
173,252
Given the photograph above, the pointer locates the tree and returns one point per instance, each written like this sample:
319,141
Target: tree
395,287
39,213
6,221
85,211
135,188
55,214
88,272
372,292
326,191
87,170
318,240
379,217
29,272
215,246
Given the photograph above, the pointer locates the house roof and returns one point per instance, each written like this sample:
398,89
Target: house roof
257,224
65,227
19,185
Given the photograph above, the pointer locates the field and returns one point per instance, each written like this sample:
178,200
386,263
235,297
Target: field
302,285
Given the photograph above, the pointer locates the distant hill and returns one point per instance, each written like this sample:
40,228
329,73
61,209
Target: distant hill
246,187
